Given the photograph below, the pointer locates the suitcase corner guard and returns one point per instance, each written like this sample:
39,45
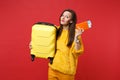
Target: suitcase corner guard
32,57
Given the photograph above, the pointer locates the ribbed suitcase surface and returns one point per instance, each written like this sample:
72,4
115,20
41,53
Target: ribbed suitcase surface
43,40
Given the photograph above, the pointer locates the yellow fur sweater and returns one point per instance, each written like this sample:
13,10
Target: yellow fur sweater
66,58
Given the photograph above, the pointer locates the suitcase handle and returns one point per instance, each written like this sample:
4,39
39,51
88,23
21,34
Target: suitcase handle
46,23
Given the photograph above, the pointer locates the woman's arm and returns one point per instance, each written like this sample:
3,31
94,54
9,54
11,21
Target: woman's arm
77,43
77,38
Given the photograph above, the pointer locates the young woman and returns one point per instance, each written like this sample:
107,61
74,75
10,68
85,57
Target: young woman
69,47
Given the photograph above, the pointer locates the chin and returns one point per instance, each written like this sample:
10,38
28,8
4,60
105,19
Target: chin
64,24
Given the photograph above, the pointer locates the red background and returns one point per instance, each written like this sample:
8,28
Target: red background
101,59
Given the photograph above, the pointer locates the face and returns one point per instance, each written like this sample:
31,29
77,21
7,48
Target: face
65,19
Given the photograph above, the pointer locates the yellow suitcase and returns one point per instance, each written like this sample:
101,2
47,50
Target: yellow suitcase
43,40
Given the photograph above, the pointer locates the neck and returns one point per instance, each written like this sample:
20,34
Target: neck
66,27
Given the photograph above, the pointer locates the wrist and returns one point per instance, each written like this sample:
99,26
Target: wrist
77,41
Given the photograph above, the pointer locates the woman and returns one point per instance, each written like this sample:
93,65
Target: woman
69,47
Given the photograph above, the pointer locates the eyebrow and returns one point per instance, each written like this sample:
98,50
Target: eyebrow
66,15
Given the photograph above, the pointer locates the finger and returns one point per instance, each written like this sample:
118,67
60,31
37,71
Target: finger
78,28
30,46
82,30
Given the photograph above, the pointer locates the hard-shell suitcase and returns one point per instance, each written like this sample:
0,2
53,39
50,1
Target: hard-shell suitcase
43,40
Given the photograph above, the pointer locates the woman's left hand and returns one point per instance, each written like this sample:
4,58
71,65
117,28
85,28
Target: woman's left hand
79,31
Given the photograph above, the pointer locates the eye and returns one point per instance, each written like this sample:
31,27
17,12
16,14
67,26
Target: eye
62,16
67,16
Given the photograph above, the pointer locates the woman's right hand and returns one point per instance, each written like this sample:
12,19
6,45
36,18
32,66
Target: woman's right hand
30,45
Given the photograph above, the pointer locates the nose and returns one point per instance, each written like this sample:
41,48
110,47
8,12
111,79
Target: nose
62,17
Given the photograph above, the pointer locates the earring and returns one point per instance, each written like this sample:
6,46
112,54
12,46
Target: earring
70,21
